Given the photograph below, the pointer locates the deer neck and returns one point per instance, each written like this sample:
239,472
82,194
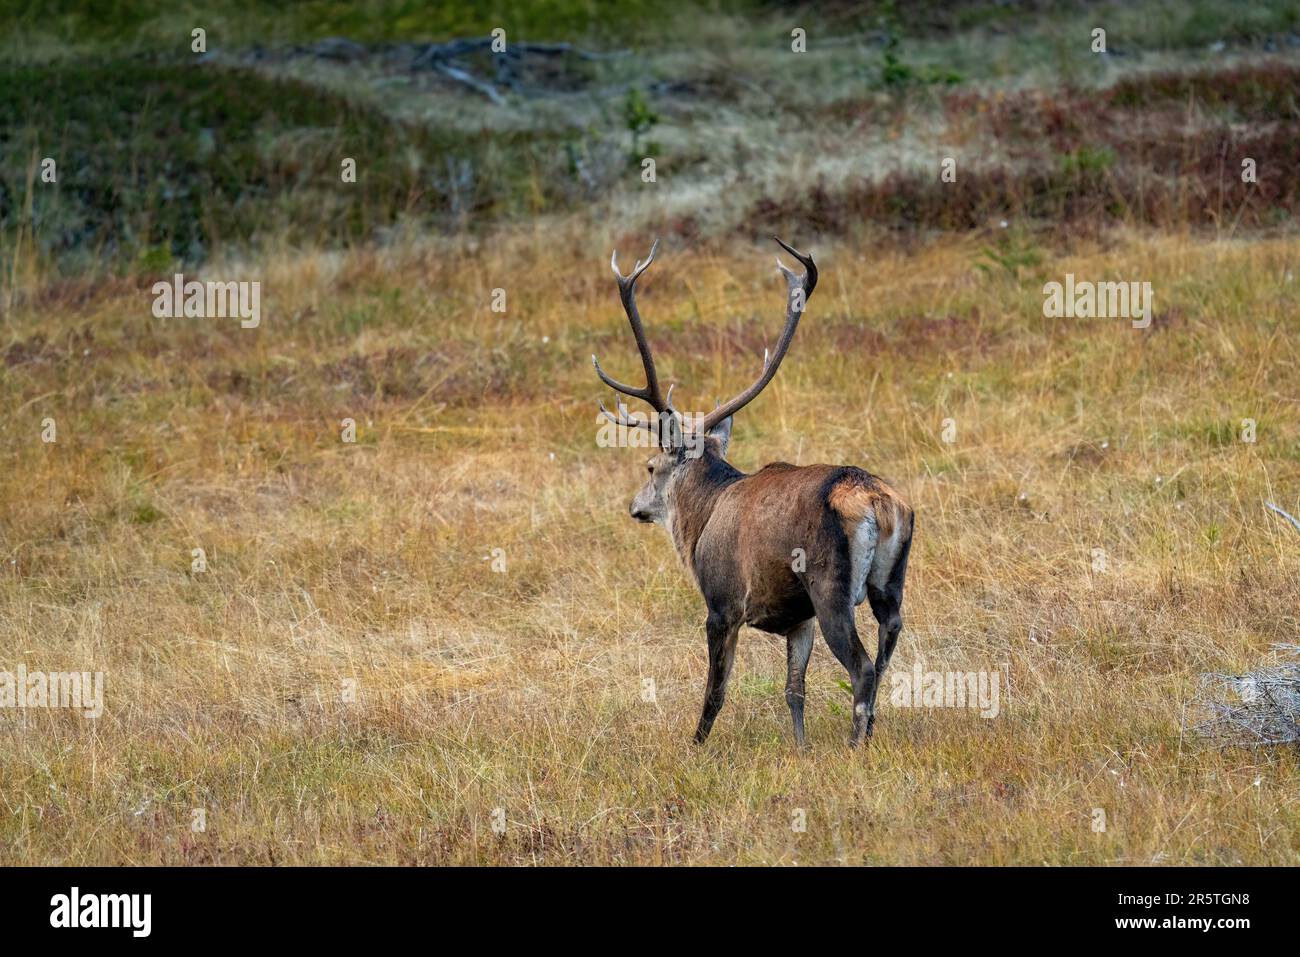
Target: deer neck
691,501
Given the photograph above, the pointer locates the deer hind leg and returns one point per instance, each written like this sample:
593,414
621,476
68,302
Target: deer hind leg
798,649
722,635
887,605
835,615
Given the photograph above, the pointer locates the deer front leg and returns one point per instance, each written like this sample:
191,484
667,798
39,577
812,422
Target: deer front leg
798,649
722,652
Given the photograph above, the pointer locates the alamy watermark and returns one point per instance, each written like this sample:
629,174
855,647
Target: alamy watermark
611,435
977,690
1084,299
75,690
208,300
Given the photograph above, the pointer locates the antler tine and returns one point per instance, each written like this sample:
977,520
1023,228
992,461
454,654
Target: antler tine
636,270
627,293
623,420
771,363
615,384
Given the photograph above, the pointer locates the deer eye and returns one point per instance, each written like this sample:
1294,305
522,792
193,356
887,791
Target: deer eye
650,469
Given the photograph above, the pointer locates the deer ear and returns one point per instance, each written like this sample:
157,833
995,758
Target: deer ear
722,432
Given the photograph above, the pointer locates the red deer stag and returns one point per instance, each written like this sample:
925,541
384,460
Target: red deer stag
777,548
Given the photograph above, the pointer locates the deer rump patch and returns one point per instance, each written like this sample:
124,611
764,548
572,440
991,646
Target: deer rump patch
871,520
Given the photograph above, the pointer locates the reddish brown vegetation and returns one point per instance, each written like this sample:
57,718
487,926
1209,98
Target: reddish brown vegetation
1163,150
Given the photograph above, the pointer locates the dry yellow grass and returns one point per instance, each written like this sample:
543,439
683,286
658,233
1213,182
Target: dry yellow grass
522,690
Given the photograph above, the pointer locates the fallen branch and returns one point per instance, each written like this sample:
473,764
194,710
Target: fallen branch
443,58
482,86
558,49
434,52
452,49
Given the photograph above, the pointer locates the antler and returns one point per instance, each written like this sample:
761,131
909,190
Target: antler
650,393
800,288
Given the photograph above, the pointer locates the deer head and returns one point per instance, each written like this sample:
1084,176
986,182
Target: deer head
684,442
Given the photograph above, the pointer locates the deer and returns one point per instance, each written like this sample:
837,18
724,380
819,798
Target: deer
776,549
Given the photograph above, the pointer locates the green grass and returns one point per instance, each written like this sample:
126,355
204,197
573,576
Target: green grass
157,23
163,162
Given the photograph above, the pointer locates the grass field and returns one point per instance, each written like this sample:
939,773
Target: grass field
399,643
